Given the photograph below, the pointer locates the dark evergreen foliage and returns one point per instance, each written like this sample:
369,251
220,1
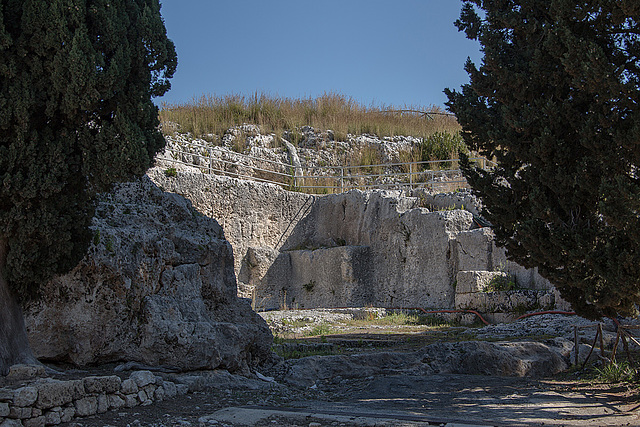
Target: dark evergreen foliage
76,81
556,103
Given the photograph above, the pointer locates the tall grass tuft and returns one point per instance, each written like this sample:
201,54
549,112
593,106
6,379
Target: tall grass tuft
616,372
213,115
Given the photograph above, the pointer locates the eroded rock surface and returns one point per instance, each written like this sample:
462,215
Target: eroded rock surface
372,248
157,287
382,248
519,359
257,218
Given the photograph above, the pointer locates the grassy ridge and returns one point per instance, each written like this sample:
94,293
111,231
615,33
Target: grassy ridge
215,114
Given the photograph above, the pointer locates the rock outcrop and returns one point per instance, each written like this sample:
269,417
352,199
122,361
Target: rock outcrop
324,161
257,218
157,286
368,248
518,359
382,248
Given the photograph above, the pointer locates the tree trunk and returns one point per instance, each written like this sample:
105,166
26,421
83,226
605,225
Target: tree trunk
14,345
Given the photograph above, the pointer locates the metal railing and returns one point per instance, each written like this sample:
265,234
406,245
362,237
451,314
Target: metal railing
322,179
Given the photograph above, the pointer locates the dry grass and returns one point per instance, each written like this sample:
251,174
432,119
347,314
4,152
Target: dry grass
213,115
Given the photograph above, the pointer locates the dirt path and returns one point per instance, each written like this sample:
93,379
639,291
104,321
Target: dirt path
395,400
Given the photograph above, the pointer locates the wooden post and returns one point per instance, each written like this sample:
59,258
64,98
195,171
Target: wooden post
411,174
576,345
601,341
626,347
615,345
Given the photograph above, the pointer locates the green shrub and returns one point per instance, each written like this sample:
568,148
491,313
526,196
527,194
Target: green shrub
309,286
616,372
321,329
502,283
442,146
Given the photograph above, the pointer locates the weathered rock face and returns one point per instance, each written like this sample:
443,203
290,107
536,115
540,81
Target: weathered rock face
253,215
328,277
157,286
379,248
387,251
351,249
314,148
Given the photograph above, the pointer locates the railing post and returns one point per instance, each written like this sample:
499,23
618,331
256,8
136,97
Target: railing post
411,174
576,345
341,179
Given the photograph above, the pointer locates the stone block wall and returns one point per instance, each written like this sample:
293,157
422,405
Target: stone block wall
47,401
475,250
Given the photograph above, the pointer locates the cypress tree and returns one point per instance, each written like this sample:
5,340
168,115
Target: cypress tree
76,82
556,102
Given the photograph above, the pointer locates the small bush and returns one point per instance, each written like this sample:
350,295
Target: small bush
502,283
616,373
309,286
171,172
109,246
442,146
321,329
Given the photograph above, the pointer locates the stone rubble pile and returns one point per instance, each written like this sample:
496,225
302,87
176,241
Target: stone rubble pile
47,401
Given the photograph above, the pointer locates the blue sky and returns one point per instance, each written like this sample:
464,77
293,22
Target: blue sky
382,53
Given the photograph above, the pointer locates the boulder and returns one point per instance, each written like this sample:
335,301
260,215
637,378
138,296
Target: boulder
514,359
157,286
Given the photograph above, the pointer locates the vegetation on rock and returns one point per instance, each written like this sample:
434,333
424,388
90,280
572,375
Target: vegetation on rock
213,115
556,102
76,115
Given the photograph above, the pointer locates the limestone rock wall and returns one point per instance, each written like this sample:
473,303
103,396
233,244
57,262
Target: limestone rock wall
352,249
252,215
394,253
376,248
157,287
